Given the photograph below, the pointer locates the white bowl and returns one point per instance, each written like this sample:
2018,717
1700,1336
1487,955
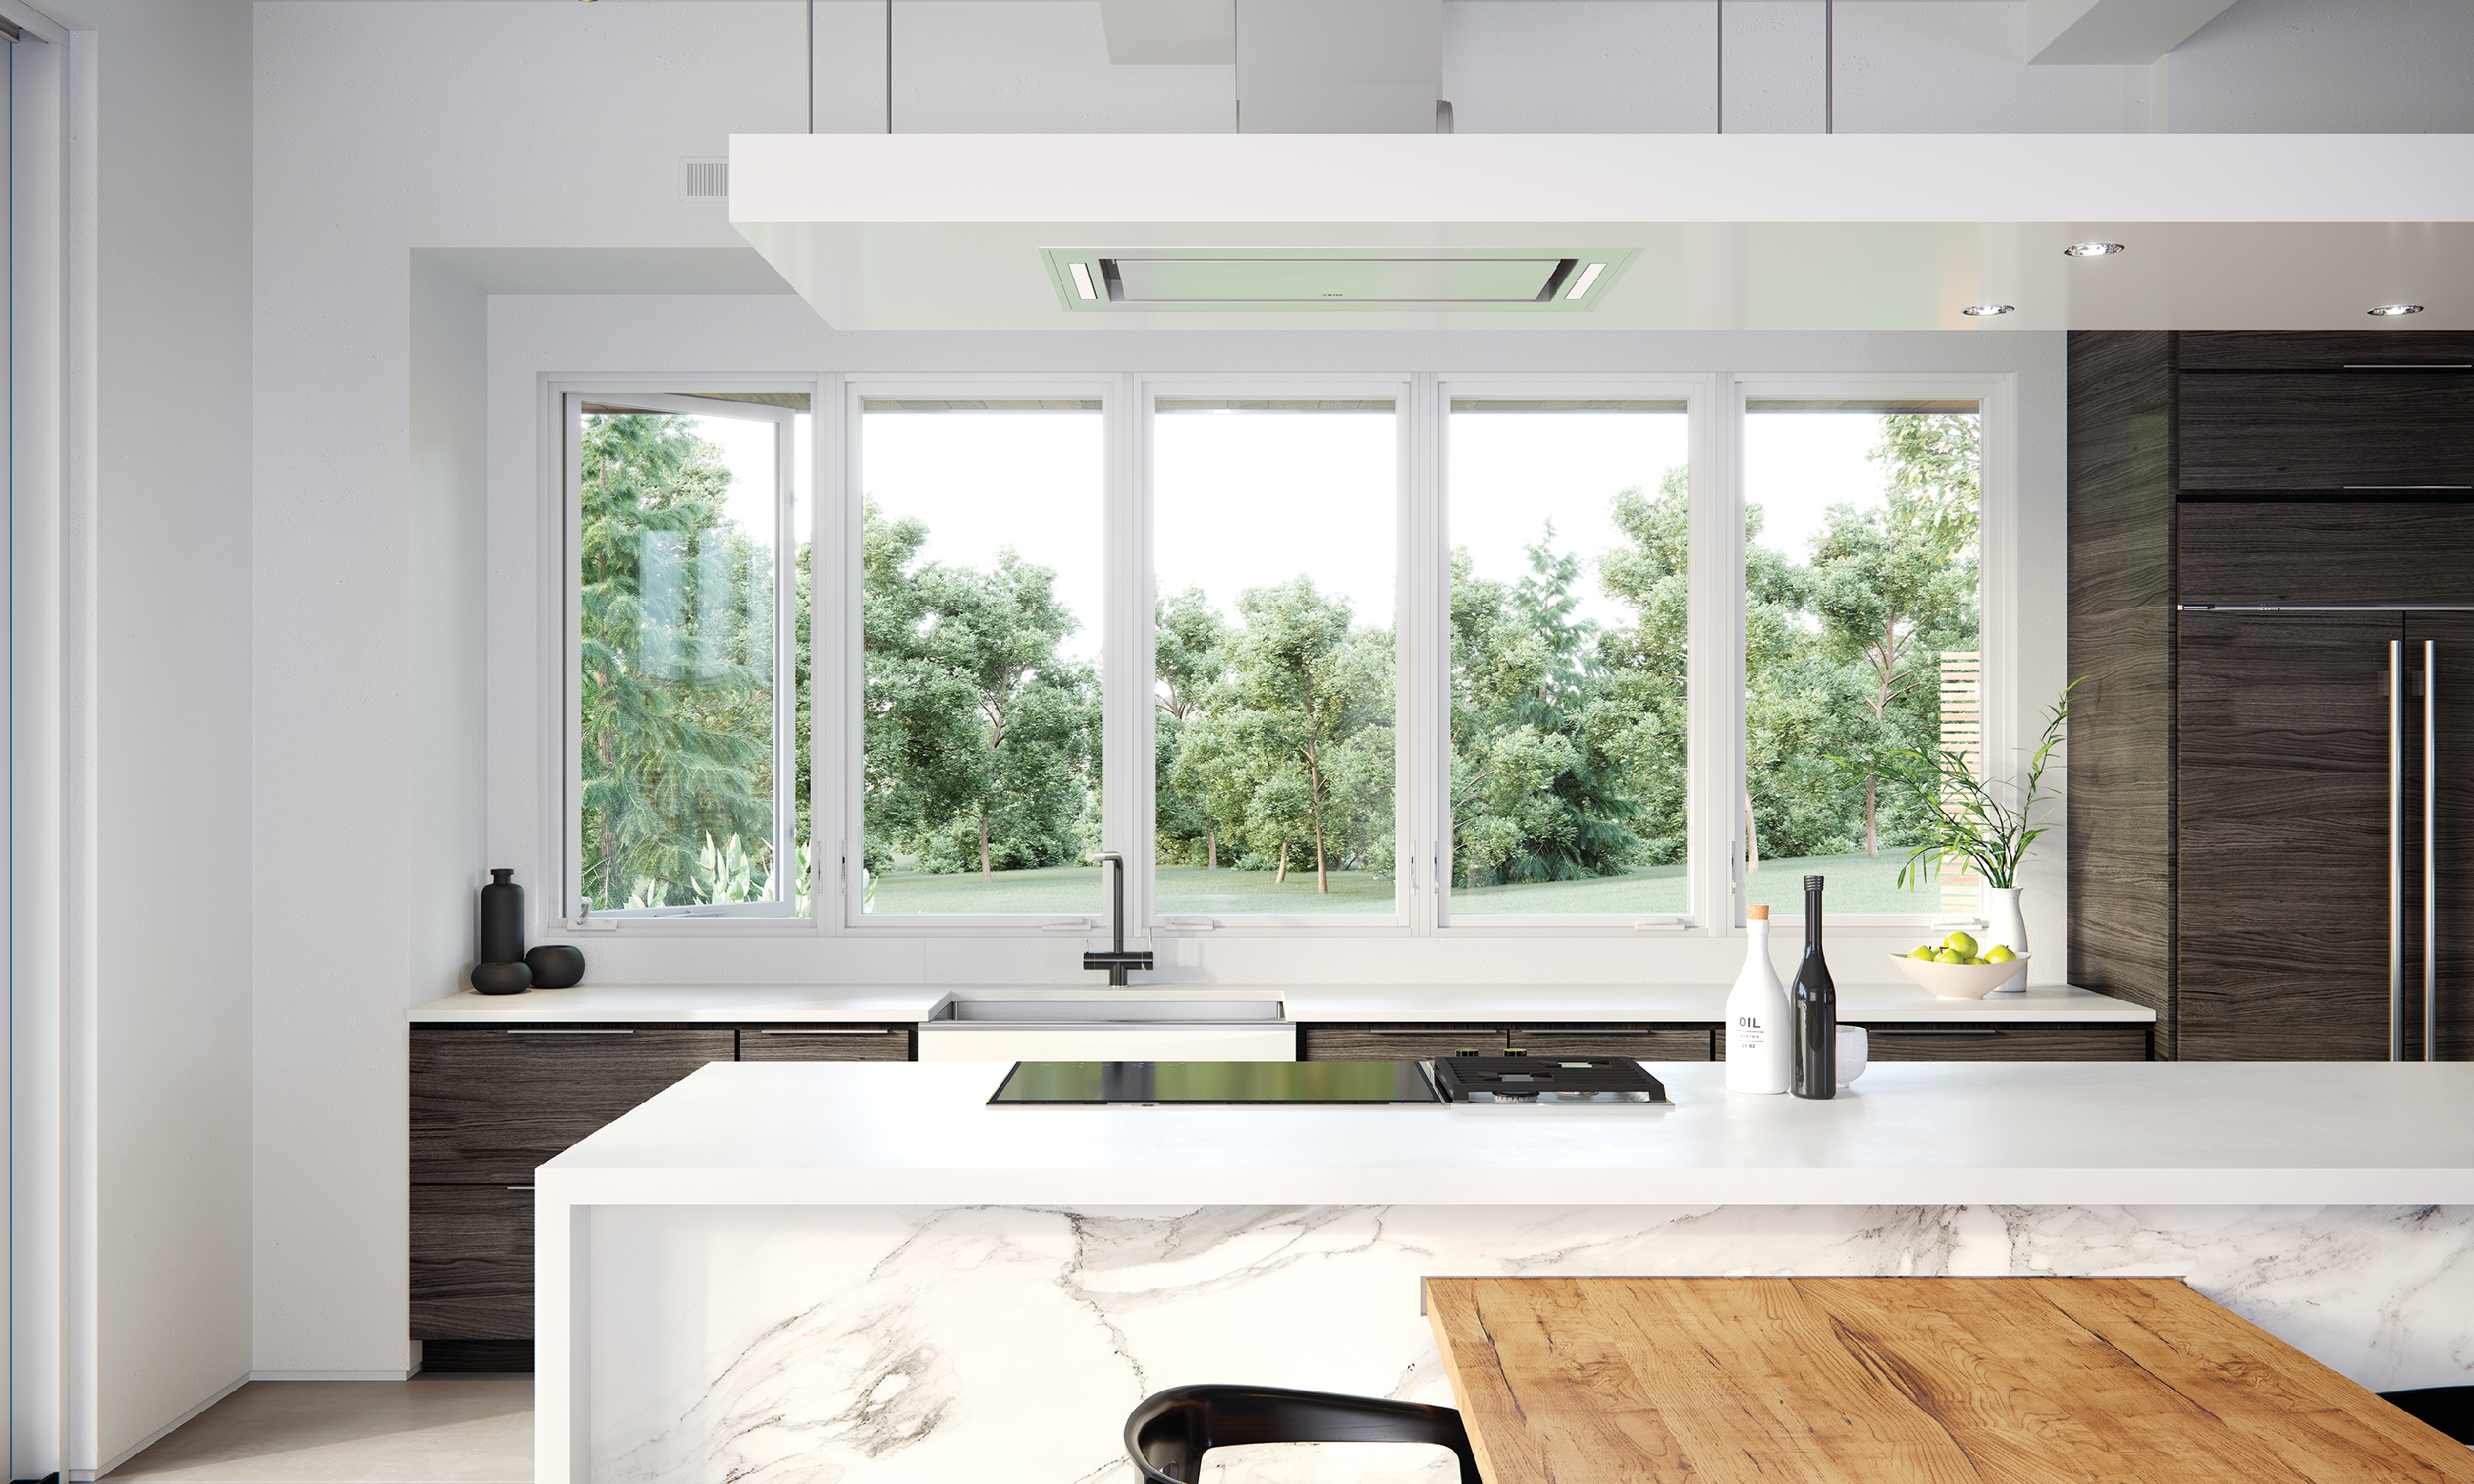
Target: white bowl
1960,981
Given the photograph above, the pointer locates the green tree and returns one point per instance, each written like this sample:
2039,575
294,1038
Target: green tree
1293,748
1536,793
1641,720
677,660
1189,659
982,735
1896,586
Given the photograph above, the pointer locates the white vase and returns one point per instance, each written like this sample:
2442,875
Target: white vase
2003,925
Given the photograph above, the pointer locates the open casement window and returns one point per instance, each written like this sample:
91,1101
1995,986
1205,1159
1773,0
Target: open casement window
1275,525
1570,533
686,600
1863,618
983,628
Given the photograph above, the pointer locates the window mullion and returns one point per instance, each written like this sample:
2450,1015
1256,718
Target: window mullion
1423,761
1714,666
1126,684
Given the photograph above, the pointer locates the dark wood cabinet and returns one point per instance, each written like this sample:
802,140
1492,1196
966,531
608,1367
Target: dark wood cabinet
2007,1041
2370,431
2340,553
826,1042
489,1103
1640,1042
2283,754
1393,1042
472,1262
492,1102
2319,350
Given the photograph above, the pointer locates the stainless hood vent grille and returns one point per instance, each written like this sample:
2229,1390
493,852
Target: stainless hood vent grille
1293,279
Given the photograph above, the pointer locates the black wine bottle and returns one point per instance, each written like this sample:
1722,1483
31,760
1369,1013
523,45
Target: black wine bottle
1813,1000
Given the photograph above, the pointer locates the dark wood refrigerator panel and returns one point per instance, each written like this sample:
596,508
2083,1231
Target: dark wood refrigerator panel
2341,552
2441,962
2281,809
2278,431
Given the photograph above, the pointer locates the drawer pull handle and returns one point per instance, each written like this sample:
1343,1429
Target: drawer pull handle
1611,1030
1878,1031
2410,366
2410,486
877,1032
520,1187
571,1033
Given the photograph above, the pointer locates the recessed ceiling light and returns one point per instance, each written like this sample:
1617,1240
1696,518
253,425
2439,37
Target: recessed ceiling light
1083,282
1981,311
2390,311
2093,250
1588,275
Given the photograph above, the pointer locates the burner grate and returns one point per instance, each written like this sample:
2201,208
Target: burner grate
1570,1079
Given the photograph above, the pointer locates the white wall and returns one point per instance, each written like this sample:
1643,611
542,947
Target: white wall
536,336
381,129
2326,66
171,539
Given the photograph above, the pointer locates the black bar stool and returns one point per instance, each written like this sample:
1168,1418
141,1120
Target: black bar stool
2448,1408
1169,1433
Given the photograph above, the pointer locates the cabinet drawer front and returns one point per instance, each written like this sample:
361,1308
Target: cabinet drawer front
1395,1043
490,1103
2322,350
1640,1042
2324,551
472,1262
2010,1041
825,1042
2272,431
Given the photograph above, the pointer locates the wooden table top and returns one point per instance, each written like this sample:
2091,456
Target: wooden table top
1902,1380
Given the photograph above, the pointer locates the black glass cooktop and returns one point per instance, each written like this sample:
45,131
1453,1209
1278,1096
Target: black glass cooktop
1215,1082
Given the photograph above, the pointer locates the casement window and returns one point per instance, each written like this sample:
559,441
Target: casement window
684,564
1385,654
1863,627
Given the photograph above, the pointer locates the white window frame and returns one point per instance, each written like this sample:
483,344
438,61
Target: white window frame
1996,398
563,777
840,741
1715,604
1413,737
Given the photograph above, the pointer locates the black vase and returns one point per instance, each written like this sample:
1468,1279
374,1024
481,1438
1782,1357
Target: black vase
555,966
502,978
503,918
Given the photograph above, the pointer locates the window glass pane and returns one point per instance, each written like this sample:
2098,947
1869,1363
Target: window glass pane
679,738
1274,548
1569,621
1862,613
983,597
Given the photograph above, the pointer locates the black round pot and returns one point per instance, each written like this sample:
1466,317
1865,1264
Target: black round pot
501,979
555,966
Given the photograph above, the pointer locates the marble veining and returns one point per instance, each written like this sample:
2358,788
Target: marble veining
910,1345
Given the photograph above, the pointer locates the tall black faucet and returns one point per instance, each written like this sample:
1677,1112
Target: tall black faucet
1117,961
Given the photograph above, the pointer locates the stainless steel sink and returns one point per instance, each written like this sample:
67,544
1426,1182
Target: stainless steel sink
1102,1012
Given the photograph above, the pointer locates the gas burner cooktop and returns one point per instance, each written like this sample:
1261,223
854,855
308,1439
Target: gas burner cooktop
1545,1078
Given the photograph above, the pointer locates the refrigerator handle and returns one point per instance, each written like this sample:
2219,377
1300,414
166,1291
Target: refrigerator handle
2430,849
2396,850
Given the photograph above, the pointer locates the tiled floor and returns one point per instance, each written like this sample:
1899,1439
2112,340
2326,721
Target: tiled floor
432,1429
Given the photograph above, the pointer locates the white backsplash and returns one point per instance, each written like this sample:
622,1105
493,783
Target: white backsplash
931,1345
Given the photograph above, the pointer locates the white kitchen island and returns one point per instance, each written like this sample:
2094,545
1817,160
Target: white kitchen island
863,1272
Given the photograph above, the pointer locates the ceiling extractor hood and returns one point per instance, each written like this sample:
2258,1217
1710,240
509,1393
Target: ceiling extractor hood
1310,280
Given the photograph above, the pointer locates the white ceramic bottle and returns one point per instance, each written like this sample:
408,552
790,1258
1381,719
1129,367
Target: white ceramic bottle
1760,1044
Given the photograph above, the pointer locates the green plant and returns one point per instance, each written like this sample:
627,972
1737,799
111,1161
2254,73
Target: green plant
1962,816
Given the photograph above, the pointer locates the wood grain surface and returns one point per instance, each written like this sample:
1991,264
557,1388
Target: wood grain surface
2275,431
2324,551
2451,637
826,1042
472,1262
2121,615
492,1104
2283,806
1640,1042
1393,1042
1887,1380
2319,349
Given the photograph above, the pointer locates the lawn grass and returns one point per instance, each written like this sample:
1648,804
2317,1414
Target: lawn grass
1857,884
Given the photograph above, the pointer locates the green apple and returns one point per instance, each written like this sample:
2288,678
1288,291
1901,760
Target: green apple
1960,944
1948,956
1998,953
1925,952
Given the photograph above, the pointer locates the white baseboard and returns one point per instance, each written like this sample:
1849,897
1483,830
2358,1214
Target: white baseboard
389,1374
85,1476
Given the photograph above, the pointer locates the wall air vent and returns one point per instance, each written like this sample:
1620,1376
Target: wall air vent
704,180
1293,279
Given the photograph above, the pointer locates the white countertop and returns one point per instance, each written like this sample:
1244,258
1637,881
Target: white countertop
2061,1133
1445,1004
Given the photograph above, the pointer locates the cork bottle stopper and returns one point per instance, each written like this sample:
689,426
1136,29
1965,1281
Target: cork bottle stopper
1756,913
